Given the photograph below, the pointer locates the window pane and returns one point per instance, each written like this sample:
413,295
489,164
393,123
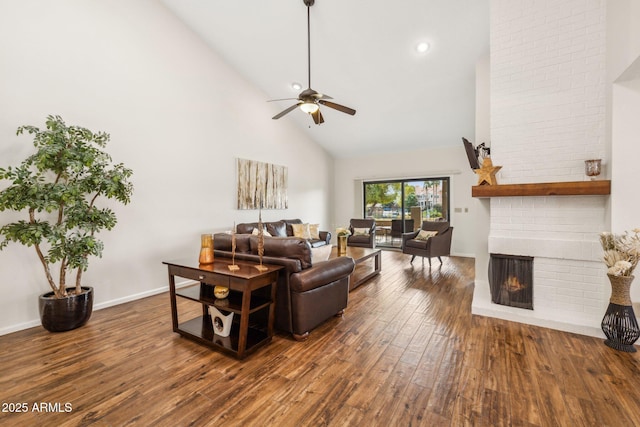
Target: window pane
411,200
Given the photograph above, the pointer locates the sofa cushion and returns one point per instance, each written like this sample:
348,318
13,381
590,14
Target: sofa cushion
246,227
277,228
288,223
222,242
439,226
285,247
420,244
359,238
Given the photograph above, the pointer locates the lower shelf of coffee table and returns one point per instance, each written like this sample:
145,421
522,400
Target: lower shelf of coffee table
201,329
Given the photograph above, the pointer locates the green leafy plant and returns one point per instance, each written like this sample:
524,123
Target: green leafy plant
59,187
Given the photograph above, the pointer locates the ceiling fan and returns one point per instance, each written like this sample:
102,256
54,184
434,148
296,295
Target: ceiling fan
309,100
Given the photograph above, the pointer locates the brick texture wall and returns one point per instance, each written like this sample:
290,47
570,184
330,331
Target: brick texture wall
548,105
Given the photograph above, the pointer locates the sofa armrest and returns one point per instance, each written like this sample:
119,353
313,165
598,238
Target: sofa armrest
326,236
321,274
409,236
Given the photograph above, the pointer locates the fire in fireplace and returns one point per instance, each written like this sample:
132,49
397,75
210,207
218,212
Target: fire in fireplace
511,280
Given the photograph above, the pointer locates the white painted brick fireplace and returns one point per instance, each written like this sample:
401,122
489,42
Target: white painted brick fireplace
548,115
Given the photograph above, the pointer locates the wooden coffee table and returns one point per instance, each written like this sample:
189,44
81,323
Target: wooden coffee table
368,264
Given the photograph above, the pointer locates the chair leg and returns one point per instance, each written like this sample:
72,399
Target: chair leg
440,259
412,258
429,262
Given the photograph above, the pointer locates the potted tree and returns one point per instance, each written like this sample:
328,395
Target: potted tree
59,188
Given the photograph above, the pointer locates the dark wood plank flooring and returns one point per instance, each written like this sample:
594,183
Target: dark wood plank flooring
407,352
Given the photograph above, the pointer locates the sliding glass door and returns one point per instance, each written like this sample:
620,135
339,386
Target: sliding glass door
400,206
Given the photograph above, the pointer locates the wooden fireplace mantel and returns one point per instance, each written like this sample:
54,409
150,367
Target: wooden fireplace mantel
571,188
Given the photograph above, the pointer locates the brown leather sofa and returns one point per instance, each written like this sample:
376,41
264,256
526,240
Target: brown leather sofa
438,245
306,294
283,228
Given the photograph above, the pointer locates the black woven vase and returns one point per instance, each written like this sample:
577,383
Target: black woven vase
619,323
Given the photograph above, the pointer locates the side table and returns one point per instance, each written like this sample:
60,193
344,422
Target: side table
251,297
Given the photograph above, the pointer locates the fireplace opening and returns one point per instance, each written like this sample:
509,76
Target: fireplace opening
511,280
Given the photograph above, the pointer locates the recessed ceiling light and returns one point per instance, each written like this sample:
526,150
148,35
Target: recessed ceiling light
422,47
296,86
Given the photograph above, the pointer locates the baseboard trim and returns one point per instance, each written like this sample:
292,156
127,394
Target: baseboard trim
106,304
130,298
487,311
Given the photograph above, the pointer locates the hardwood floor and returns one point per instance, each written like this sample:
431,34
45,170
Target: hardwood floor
407,352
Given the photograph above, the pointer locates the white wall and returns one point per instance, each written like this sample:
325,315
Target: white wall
177,115
452,162
623,47
481,205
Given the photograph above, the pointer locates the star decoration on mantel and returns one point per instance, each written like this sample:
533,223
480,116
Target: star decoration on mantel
487,173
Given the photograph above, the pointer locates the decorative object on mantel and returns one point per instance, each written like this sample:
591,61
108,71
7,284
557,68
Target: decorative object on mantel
621,255
475,155
233,266
342,234
487,173
260,267
592,168
206,249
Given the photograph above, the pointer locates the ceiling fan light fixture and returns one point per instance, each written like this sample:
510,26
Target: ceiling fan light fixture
309,99
309,107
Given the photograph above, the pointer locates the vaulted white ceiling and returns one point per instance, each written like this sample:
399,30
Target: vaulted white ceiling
363,55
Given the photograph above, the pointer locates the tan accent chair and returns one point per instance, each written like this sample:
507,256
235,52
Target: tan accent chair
438,245
362,241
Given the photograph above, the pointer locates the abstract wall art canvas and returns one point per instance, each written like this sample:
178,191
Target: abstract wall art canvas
261,185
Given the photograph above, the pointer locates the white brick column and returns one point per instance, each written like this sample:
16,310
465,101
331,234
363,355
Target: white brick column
548,106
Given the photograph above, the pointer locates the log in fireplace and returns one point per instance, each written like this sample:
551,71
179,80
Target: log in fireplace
511,280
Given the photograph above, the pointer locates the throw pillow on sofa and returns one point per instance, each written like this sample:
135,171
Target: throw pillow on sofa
265,232
301,230
306,231
361,231
314,231
425,235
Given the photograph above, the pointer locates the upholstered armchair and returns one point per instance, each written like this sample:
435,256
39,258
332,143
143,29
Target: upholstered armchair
363,233
437,245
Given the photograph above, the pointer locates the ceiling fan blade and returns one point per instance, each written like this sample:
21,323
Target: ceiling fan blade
288,110
317,117
338,107
281,99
